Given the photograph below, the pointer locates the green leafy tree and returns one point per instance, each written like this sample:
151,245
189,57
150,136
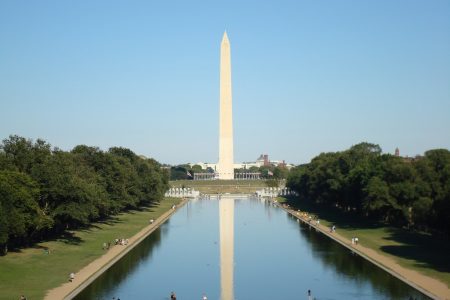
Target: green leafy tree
179,173
197,169
20,214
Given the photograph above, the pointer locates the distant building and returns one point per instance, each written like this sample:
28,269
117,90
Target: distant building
407,158
262,160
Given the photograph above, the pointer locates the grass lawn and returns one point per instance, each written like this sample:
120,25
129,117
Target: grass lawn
32,272
221,186
419,251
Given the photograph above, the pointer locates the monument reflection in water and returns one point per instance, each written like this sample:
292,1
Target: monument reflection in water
226,215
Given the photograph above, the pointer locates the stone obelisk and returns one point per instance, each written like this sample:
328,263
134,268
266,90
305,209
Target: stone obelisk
225,167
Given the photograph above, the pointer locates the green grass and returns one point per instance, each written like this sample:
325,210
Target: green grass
418,251
222,186
32,272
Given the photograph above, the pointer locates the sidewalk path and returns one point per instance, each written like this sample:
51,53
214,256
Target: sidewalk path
90,272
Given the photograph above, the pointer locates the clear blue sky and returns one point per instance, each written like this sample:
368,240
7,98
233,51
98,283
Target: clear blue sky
308,76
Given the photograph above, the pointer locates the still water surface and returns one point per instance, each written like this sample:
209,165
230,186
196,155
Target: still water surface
271,256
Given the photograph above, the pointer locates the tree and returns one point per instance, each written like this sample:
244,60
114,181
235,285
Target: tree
197,169
178,173
20,214
253,169
378,201
280,172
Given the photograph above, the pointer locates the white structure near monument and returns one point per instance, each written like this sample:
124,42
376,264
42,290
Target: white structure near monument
225,166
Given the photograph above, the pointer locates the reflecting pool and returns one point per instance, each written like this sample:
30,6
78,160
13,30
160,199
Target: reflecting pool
242,249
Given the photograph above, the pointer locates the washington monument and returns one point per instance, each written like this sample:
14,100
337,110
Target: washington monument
225,167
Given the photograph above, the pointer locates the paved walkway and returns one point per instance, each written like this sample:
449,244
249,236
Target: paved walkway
90,272
427,285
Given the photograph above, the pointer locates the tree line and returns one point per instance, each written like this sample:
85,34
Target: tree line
412,192
44,190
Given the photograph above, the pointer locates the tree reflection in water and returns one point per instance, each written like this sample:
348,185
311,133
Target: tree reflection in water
353,267
109,280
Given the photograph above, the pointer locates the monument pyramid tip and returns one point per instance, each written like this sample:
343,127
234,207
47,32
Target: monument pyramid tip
225,37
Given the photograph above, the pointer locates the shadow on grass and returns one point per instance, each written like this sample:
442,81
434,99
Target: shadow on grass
112,220
66,237
13,249
150,207
69,238
341,219
425,250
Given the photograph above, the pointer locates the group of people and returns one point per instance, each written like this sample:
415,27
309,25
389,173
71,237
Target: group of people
355,241
122,242
313,218
309,217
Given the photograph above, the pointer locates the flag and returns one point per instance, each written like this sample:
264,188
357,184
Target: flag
189,174
269,173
